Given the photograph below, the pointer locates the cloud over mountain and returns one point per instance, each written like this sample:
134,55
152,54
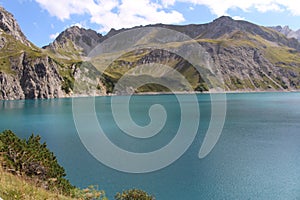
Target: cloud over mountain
113,13
128,13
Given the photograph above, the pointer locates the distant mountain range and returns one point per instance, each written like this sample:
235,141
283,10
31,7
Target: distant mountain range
289,33
248,57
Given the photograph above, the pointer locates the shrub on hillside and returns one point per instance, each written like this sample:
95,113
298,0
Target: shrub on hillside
133,194
32,159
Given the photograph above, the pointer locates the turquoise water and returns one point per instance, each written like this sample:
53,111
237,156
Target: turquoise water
256,157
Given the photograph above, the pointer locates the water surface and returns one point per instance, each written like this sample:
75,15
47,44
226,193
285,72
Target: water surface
257,156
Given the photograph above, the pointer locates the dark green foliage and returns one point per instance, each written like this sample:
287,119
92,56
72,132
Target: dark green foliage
32,159
109,83
202,87
133,194
67,85
90,193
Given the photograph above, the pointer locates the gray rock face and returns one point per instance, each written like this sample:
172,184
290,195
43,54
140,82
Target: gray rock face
25,73
10,26
32,79
10,88
289,33
245,68
247,56
76,39
39,78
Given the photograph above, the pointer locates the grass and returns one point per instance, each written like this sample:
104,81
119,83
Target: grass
67,57
14,187
13,49
131,59
34,168
68,51
282,55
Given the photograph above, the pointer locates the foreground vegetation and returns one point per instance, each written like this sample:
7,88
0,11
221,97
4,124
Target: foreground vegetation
30,171
15,187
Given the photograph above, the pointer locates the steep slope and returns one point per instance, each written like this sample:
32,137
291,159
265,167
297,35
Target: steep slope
222,28
10,26
248,57
29,72
75,42
25,72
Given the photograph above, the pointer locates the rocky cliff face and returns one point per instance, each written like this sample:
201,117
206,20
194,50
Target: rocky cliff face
10,87
25,72
246,68
39,77
247,56
31,78
10,26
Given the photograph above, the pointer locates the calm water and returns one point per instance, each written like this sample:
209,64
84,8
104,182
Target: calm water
257,156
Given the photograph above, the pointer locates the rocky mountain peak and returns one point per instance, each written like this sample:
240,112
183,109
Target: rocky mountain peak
284,29
287,31
9,25
78,39
249,57
224,19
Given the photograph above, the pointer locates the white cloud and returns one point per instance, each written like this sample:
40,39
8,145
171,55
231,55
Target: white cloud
62,9
238,18
80,25
221,8
103,12
127,13
53,36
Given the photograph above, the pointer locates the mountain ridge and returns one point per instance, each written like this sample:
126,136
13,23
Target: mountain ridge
289,33
249,57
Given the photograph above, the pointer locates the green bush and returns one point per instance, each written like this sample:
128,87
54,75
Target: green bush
32,159
90,193
133,194
67,84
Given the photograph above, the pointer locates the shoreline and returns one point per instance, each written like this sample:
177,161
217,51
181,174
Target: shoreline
164,93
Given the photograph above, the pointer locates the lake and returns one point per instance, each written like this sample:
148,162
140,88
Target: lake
257,155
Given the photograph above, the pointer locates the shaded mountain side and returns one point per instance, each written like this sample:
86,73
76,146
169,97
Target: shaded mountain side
248,57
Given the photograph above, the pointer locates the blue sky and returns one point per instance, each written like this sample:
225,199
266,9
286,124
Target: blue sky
42,20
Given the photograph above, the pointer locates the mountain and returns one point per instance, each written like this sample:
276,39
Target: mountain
27,71
289,33
248,57
8,25
75,42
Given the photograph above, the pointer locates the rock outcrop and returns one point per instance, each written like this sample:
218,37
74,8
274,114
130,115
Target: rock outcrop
76,41
289,33
248,57
10,87
25,71
31,78
9,25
